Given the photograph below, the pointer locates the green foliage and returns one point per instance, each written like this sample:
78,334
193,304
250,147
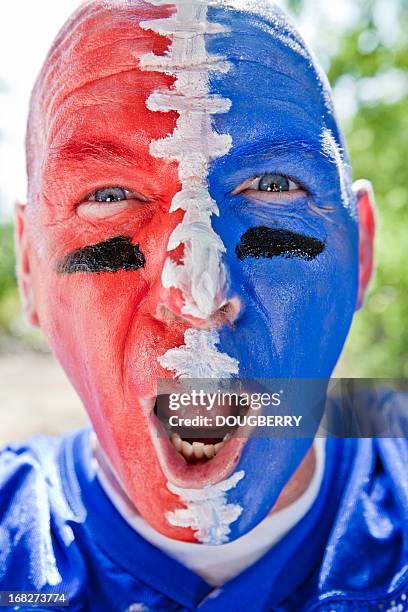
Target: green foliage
7,274
377,140
9,306
378,143
294,5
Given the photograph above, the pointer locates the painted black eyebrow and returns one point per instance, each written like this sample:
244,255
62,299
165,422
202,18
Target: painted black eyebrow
111,255
268,242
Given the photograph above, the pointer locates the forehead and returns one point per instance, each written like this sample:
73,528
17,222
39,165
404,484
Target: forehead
98,80
270,68
98,54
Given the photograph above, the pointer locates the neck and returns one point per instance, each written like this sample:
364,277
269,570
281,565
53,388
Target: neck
298,483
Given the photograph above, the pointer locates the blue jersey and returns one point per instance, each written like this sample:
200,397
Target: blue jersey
60,533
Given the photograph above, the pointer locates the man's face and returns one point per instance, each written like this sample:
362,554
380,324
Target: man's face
265,289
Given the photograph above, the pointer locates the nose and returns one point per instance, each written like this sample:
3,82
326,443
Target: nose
194,284
169,310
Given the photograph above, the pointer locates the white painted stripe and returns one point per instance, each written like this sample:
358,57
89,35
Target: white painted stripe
207,510
199,357
334,152
201,276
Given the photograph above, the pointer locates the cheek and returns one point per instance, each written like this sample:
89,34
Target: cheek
102,329
99,329
85,318
98,321
297,313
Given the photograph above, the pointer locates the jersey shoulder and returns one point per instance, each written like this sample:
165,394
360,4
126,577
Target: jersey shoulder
35,534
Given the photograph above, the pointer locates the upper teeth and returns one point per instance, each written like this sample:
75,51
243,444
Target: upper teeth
196,450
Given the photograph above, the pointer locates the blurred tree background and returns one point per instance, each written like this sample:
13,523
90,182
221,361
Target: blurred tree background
363,45
377,137
8,293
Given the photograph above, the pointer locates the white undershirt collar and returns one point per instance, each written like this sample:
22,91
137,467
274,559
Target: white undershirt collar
219,564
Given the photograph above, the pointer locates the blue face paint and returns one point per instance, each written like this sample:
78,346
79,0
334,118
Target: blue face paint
250,102
297,311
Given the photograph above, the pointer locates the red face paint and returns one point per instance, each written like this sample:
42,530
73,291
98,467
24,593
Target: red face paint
103,327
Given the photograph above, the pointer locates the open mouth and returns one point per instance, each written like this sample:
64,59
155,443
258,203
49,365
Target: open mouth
194,458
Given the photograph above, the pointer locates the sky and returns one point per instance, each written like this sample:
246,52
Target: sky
28,29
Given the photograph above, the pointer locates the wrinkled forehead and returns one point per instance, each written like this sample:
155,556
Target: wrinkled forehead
259,36
101,41
267,58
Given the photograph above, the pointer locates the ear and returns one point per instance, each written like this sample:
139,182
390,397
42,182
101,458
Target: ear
366,216
23,265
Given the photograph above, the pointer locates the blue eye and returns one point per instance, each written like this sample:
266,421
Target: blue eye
110,194
273,182
269,182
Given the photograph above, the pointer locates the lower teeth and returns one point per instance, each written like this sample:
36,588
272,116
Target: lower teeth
196,450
